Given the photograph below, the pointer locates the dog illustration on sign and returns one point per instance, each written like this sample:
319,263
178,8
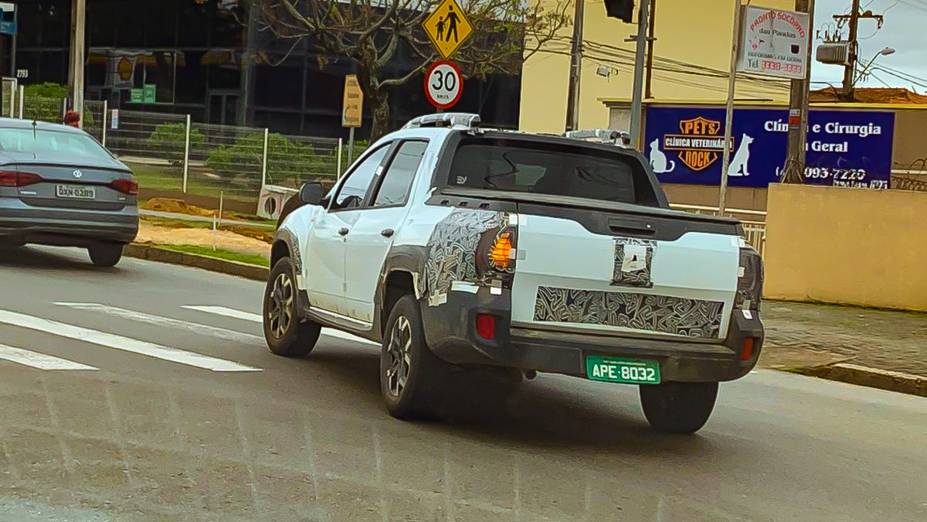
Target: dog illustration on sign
741,159
658,160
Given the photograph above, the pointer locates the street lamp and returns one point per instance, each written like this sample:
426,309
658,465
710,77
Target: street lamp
884,52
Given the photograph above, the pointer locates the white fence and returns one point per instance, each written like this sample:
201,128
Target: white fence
754,222
170,153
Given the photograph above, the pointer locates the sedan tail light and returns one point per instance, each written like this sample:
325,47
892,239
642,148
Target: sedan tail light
18,179
126,186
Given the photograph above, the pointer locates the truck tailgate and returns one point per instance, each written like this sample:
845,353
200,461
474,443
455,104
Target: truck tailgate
608,272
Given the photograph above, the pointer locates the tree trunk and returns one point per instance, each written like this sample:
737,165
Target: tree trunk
379,107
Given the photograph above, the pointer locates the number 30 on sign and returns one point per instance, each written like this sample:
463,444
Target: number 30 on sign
443,84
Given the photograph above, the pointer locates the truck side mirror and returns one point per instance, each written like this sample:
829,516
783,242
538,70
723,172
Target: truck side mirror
311,193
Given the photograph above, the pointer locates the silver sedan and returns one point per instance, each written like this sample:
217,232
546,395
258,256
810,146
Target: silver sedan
59,186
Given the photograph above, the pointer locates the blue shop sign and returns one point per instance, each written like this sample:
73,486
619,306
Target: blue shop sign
844,148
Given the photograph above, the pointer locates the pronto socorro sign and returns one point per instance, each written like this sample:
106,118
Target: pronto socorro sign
844,148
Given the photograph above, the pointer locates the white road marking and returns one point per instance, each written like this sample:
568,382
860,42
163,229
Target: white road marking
126,344
39,360
227,312
167,321
256,318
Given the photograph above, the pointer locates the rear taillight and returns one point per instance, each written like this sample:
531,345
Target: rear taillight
750,280
486,326
18,179
500,253
126,186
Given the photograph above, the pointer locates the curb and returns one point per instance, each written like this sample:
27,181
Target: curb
872,377
223,266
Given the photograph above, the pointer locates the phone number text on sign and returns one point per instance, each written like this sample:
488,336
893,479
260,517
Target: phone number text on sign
443,84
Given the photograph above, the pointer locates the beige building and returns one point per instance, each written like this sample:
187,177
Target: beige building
691,58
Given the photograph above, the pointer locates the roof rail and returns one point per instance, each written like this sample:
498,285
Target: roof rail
444,119
614,137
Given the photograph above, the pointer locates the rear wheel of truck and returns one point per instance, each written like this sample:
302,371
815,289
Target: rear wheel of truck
678,407
412,379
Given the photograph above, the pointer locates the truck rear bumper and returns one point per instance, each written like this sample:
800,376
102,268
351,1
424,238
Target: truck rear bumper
451,334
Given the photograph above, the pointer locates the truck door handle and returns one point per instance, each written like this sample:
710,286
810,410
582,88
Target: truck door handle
343,231
387,232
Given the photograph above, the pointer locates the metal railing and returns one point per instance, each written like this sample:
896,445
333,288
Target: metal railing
169,152
754,226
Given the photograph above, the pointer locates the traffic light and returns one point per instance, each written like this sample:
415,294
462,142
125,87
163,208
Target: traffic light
620,9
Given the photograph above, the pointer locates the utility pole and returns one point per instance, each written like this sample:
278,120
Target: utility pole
794,168
76,69
849,69
729,108
648,91
576,65
853,18
643,15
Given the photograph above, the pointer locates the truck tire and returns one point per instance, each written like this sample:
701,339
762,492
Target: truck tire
678,407
412,379
285,332
105,254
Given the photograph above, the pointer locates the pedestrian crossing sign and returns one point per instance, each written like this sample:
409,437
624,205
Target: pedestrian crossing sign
447,27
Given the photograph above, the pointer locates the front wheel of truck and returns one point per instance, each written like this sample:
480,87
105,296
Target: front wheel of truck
678,407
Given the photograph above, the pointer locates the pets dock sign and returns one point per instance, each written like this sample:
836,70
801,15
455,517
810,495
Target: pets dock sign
845,148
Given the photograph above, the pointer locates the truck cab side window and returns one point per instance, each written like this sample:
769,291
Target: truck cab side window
355,187
394,189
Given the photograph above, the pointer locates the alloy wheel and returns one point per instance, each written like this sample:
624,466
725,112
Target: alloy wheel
281,305
400,353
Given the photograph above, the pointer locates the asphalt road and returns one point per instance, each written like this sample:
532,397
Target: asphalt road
125,404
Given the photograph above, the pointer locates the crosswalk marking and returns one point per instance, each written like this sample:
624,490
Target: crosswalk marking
39,360
132,315
256,318
126,344
227,312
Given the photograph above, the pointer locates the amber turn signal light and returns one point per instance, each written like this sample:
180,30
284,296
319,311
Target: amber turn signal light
500,255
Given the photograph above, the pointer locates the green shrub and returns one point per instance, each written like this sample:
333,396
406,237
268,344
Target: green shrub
46,90
169,139
288,161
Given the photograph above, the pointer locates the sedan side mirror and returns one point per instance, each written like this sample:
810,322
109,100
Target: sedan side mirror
311,193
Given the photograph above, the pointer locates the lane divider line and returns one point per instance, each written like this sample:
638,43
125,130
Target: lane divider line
39,360
126,344
158,320
256,318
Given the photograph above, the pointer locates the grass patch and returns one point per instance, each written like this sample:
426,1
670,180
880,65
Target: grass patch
228,255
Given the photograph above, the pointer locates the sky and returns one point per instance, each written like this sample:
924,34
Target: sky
905,30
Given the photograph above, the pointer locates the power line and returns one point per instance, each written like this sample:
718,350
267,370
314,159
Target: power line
896,75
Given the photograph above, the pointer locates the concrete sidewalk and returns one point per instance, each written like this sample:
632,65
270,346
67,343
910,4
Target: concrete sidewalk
801,335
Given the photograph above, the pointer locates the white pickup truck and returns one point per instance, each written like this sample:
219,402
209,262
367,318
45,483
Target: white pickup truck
455,246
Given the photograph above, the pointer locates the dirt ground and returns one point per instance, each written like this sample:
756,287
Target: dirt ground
149,233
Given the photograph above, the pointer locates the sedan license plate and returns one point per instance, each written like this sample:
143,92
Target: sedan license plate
75,192
629,371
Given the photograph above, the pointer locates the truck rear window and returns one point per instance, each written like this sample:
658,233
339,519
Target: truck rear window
550,169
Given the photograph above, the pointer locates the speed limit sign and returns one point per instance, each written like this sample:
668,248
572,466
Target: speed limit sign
443,84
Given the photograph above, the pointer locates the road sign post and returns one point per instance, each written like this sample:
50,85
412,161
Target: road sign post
443,84
352,110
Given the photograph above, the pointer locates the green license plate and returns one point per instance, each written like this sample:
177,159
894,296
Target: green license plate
630,371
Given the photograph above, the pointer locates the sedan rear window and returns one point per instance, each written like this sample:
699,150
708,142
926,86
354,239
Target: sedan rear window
550,169
48,143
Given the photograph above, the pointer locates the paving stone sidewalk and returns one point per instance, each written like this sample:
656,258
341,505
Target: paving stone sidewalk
802,335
